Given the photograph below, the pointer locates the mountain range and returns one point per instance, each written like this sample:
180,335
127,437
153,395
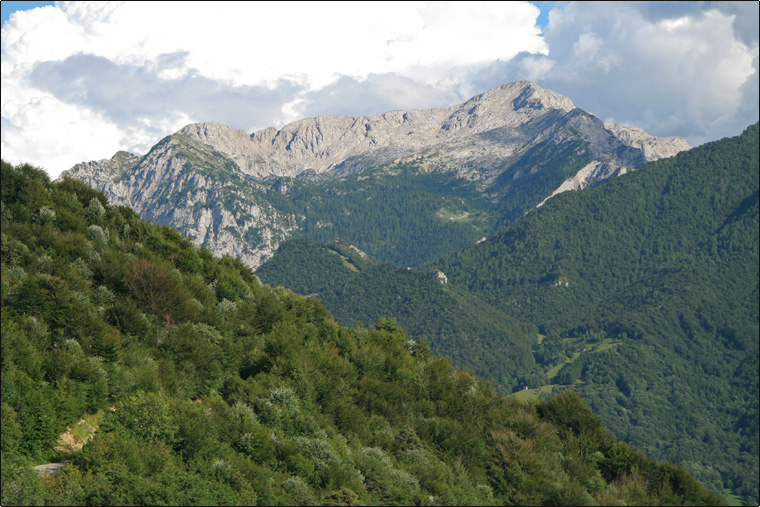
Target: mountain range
506,150
640,293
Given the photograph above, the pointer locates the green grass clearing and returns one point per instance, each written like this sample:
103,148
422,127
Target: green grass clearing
732,499
533,394
453,215
605,344
346,262
555,370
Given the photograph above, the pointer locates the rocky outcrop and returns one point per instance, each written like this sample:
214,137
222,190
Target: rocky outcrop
654,148
642,145
195,189
591,172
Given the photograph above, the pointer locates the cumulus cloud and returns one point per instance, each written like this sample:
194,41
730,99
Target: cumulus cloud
134,97
680,68
82,80
105,76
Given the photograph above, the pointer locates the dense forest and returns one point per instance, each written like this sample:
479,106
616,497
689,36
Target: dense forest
401,215
663,264
205,387
641,295
360,290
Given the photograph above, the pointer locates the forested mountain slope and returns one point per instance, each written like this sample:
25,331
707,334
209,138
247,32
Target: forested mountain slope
359,290
226,392
664,264
643,291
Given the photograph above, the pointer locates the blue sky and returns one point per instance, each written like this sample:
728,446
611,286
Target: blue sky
543,18
82,80
9,8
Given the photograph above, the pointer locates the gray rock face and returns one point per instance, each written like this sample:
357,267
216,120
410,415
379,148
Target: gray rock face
591,172
654,148
180,182
210,181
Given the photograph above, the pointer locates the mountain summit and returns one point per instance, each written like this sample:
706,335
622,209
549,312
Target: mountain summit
327,145
514,146
336,145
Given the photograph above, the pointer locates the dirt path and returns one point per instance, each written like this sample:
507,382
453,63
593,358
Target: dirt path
68,443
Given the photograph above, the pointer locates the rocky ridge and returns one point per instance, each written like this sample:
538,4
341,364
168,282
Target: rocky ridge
325,144
183,183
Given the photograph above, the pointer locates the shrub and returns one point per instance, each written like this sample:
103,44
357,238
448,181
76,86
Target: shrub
95,210
97,234
149,416
156,289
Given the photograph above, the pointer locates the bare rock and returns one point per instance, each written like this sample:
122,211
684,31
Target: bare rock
654,148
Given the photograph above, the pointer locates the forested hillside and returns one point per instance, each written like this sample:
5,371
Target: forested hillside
404,215
360,290
224,391
661,265
641,295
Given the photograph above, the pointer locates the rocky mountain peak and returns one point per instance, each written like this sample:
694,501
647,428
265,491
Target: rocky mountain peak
521,95
322,144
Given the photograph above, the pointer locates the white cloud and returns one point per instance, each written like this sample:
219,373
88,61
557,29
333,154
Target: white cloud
377,93
105,76
84,79
677,69
667,76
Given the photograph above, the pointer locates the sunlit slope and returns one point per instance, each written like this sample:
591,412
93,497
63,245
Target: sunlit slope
217,390
665,259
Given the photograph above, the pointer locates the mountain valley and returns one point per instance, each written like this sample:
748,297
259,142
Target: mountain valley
640,292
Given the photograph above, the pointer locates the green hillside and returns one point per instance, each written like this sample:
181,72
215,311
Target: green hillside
665,261
208,388
402,215
641,295
360,290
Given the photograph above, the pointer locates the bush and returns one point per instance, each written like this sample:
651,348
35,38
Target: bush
156,289
149,416
95,210
21,484
97,234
